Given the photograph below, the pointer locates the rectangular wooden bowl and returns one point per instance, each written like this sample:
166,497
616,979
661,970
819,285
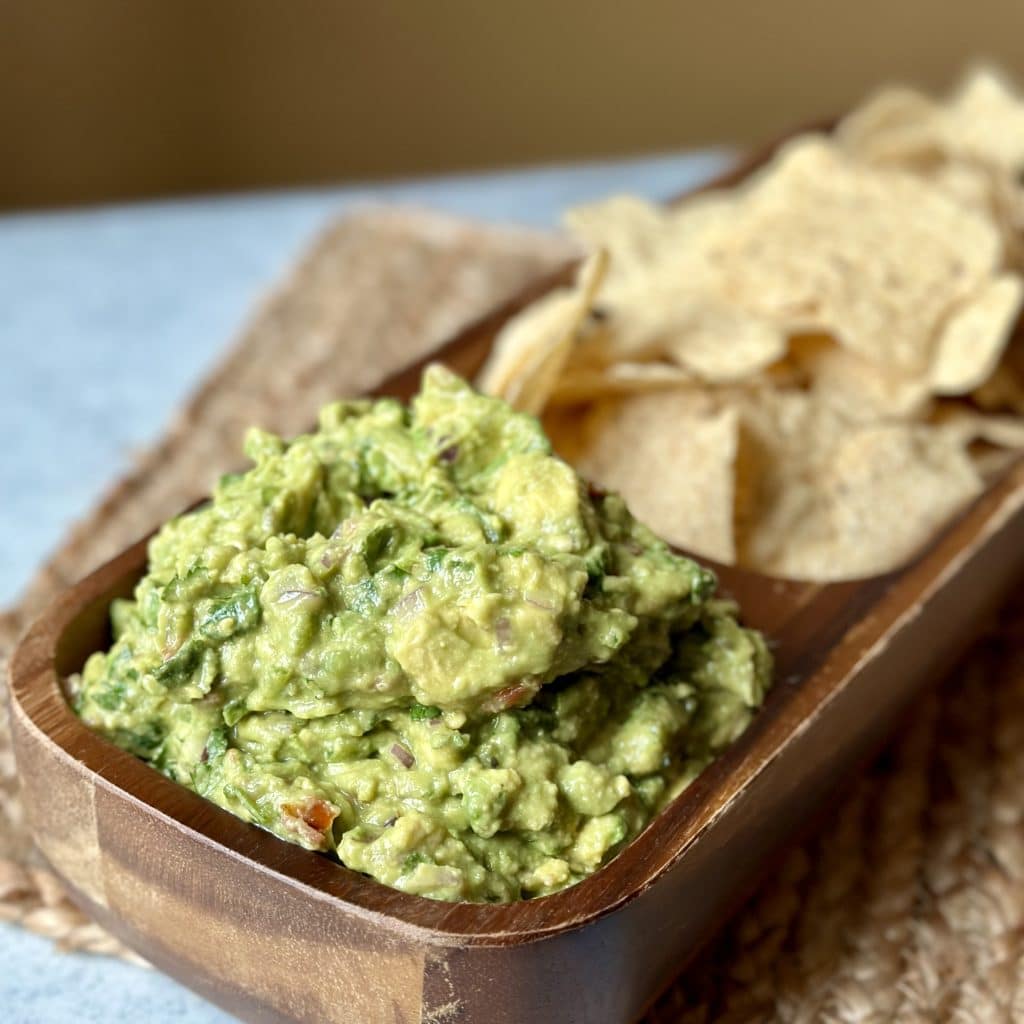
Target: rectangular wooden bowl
273,932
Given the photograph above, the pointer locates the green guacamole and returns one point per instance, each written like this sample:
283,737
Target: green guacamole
416,639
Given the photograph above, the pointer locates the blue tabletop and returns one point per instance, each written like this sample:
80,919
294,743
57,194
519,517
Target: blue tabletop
108,317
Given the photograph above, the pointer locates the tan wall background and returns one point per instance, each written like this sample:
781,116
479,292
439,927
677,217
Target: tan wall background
104,99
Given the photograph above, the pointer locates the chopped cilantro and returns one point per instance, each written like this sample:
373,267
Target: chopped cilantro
423,712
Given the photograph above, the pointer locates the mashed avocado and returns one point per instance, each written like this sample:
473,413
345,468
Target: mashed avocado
417,639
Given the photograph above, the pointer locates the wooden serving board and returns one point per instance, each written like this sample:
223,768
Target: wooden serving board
274,932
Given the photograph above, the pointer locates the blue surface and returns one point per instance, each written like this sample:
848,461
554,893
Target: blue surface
108,317
38,986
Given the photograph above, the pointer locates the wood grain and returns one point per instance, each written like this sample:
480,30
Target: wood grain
274,932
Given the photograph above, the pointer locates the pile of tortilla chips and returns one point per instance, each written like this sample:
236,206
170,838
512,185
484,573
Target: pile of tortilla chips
808,374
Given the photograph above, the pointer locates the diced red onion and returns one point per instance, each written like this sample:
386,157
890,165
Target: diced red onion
403,755
410,605
503,631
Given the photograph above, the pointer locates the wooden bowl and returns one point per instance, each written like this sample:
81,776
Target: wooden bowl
273,932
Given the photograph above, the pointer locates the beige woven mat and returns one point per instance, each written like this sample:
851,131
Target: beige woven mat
910,904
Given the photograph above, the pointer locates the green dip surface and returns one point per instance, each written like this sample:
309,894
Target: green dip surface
417,639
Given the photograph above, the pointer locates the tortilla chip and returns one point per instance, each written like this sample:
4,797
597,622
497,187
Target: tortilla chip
851,385
786,441
875,258
969,426
647,242
700,333
890,488
883,491
770,373
986,121
531,350
671,454
972,342
983,122
593,382
907,131
897,126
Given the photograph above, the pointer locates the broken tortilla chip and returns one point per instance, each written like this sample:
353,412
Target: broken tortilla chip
532,349
972,342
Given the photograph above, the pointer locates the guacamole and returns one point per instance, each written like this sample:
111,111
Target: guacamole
416,639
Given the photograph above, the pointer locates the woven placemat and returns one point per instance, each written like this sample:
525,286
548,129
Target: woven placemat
908,907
